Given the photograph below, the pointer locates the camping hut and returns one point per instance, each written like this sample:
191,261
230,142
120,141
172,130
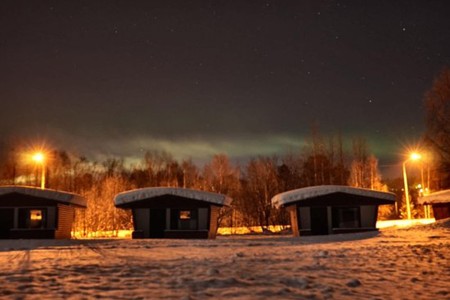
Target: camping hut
34,213
332,209
163,212
440,201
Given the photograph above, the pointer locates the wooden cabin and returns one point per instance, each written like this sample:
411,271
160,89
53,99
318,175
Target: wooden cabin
440,201
34,213
330,209
163,212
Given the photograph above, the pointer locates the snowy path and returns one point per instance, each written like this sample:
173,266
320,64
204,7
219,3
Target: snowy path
393,264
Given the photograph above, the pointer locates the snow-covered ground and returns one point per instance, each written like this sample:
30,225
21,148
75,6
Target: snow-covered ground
411,263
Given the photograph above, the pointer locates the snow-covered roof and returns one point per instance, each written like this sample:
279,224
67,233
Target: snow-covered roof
152,192
321,190
437,197
59,196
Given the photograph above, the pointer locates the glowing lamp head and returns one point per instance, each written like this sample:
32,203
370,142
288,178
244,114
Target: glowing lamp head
415,156
38,157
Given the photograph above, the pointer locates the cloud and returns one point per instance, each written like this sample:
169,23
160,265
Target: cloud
133,148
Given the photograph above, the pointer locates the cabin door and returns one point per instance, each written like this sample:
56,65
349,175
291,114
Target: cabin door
319,220
6,222
157,223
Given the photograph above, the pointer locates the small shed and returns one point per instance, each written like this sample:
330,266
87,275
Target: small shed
440,201
34,213
330,209
166,212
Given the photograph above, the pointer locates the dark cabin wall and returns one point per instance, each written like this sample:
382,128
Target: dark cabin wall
369,215
302,219
142,220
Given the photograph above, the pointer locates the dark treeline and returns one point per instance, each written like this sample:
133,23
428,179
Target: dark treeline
251,185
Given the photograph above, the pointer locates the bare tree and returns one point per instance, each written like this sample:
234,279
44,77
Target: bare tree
364,171
157,164
101,215
261,186
191,174
358,176
221,177
290,171
9,165
340,170
324,163
437,137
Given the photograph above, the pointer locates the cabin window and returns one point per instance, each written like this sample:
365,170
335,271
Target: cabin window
32,218
346,217
184,219
185,214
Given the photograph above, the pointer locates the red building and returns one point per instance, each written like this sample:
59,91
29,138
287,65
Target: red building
440,201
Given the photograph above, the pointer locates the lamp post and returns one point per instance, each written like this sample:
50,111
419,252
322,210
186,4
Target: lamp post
413,156
39,158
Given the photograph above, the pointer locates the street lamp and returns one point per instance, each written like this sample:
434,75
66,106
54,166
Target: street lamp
39,158
412,156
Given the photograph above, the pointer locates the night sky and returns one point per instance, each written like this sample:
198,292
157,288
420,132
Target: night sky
195,78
